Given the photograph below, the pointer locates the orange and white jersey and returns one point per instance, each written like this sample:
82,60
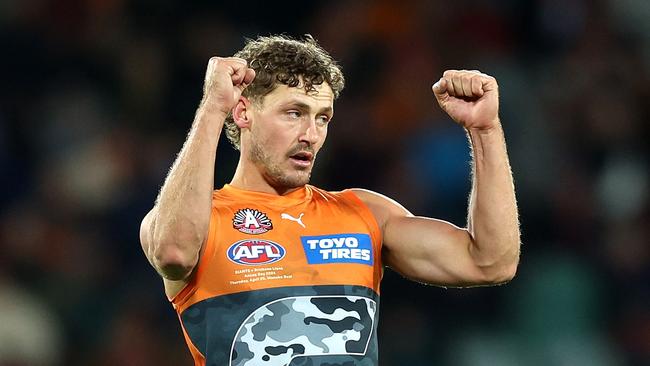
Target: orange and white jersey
283,278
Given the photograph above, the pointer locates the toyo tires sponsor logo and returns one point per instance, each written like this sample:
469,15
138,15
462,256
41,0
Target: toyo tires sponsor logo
338,248
252,252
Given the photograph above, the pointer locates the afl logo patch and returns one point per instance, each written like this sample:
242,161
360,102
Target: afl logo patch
252,252
251,221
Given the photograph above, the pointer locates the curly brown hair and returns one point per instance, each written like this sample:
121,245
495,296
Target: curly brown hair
283,60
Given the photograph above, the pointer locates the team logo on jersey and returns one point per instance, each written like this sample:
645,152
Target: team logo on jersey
253,252
251,221
338,248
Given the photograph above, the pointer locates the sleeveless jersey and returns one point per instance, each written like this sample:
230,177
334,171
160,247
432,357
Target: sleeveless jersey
285,280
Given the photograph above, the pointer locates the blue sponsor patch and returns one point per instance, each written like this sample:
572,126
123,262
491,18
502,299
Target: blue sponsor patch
338,248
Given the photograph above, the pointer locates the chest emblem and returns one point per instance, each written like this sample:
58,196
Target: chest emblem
251,221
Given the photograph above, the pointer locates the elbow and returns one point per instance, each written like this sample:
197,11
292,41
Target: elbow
175,255
501,275
173,251
500,267
172,263
501,272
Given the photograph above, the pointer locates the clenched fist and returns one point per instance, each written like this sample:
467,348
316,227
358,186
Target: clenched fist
470,98
225,79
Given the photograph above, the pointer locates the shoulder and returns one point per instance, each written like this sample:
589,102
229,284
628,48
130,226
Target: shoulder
333,197
378,200
357,194
382,207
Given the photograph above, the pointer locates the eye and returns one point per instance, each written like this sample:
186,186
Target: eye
324,119
294,114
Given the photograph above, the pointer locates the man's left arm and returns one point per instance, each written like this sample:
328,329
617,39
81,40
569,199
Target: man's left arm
435,251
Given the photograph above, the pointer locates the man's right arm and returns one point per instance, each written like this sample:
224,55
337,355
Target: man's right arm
173,232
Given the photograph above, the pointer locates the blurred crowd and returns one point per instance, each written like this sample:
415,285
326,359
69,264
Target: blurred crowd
97,96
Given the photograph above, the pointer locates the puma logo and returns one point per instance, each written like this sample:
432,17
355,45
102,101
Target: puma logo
291,218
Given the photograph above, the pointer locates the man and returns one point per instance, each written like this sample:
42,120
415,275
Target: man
270,270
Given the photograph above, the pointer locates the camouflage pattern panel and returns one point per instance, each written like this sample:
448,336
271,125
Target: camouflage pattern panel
302,325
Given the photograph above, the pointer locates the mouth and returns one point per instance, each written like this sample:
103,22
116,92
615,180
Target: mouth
302,158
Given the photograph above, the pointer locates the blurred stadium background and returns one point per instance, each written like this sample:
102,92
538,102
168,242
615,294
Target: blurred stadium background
96,98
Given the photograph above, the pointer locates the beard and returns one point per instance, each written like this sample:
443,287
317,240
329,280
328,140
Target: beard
273,171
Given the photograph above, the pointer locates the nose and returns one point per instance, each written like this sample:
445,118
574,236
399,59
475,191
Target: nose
310,134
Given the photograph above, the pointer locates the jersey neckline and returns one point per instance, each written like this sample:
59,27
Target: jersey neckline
292,198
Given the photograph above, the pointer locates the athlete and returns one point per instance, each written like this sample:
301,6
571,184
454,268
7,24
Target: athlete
269,270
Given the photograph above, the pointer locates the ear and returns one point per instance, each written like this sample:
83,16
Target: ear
241,112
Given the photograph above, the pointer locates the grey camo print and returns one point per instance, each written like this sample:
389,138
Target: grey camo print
218,325
304,326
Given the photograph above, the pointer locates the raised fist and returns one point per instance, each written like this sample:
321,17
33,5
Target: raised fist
225,79
470,98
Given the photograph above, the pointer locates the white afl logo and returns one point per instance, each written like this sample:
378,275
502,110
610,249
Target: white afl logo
253,252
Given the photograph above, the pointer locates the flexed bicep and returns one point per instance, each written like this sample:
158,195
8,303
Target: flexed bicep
424,249
431,251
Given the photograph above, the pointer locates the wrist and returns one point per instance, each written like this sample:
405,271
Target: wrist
209,119
213,107
487,142
486,136
212,110
493,128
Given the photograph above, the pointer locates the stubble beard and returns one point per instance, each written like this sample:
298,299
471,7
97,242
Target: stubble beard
273,172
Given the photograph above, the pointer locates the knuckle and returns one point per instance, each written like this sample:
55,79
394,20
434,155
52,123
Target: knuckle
239,60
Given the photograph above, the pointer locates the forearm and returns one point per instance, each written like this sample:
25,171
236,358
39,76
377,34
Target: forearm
493,219
181,215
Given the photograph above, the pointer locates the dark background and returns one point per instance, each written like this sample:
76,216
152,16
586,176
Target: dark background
97,96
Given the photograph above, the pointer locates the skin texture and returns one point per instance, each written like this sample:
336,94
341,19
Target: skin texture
288,121
173,232
437,252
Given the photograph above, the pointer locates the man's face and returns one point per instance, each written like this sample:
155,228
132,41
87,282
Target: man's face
287,131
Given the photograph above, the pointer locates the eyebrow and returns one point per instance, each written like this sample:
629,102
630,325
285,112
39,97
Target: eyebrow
302,105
